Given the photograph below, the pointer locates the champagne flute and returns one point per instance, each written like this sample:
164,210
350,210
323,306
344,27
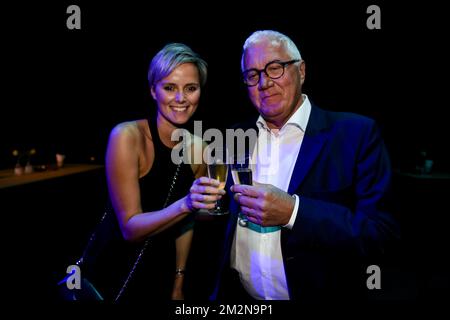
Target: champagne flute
218,170
242,174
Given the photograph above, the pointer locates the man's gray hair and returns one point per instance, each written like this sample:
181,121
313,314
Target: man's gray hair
276,38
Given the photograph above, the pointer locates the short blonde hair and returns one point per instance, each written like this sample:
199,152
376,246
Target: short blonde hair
170,57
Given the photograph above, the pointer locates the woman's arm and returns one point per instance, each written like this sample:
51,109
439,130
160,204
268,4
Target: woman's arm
183,246
122,171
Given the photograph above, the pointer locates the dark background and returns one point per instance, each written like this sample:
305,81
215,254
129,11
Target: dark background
66,89
70,87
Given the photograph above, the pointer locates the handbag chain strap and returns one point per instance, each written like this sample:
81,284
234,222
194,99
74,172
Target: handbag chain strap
90,241
141,253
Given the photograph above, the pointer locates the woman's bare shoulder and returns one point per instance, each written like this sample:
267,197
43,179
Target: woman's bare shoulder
131,130
132,141
128,128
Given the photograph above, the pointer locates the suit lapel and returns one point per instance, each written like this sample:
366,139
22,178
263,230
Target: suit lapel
313,141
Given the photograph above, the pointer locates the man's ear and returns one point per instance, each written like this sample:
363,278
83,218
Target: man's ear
302,68
152,91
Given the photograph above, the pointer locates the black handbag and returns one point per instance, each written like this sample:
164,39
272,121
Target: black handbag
105,232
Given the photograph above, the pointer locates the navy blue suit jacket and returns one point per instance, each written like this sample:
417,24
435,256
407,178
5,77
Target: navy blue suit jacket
342,176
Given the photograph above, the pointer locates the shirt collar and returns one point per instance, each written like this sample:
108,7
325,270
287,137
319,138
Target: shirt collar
298,119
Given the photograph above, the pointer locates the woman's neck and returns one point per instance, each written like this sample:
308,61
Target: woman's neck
165,129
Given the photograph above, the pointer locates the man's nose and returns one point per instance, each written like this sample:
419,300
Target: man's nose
264,81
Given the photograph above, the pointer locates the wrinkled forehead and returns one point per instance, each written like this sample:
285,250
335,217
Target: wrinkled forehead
257,55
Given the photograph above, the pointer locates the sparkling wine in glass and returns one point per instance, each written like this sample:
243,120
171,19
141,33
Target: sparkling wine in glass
218,170
241,172
242,175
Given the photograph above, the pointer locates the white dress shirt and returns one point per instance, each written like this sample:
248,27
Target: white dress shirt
255,255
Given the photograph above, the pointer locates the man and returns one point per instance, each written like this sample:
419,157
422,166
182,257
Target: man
315,216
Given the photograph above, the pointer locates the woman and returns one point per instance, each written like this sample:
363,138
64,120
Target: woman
140,174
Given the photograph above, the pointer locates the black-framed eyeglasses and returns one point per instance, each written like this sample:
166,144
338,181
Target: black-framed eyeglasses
274,70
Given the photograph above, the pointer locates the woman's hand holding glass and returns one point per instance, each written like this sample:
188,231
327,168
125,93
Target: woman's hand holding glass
203,194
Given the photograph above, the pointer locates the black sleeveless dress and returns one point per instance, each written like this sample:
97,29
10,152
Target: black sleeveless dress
154,276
